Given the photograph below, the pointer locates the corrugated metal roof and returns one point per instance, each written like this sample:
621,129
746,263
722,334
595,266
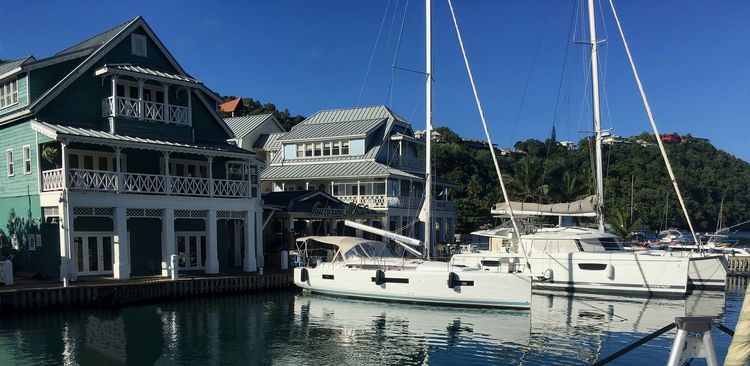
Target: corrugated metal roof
97,40
241,126
269,141
54,131
10,65
352,114
354,128
336,170
149,71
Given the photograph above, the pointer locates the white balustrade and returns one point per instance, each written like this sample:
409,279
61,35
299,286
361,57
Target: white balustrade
143,183
52,180
129,107
381,201
230,188
97,180
190,186
94,180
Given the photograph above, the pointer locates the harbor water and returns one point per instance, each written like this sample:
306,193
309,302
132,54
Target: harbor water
291,328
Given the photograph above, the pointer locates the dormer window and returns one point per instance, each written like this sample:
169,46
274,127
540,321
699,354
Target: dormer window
319,149
138,45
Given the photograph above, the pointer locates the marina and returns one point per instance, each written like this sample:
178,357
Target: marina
149,215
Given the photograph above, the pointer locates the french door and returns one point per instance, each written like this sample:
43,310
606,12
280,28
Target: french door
93,253
191,250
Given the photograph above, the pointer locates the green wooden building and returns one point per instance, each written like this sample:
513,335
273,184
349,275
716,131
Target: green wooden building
115,159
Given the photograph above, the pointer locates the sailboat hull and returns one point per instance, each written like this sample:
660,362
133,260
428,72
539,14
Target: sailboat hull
621,273
470,287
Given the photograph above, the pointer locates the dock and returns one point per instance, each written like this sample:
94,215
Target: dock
106,292
738,264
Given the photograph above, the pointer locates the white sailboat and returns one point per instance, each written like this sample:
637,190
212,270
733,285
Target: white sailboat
360,268
583,259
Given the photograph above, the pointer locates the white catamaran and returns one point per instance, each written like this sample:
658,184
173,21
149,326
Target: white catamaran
354,267
583,259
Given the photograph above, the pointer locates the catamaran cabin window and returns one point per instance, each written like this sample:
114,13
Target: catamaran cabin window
9,162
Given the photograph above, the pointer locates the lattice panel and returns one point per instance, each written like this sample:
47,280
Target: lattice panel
191,214
53,211
94,211
145,212
231,215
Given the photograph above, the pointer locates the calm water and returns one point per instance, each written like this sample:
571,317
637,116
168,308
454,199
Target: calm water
289,328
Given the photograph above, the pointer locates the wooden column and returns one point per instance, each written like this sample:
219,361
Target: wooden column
167,177
166,102
140,99
167,241
249,261
210,176
121,267
212,252
119,180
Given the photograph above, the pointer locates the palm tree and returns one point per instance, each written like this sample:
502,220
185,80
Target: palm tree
618,221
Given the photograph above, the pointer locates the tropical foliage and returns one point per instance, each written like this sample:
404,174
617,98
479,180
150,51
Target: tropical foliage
253,107
547,172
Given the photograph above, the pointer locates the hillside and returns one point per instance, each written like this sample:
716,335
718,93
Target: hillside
549,172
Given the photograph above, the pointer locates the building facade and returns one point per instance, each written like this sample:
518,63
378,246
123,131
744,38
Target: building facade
366,156
116,159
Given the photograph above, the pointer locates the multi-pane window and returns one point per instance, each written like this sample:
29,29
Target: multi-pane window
27,159
138,45
317,149
9,162
8,93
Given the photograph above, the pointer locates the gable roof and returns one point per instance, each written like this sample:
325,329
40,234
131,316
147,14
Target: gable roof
323,170
231,105
11,66
353,114
97,40
242,126
269,142
319,130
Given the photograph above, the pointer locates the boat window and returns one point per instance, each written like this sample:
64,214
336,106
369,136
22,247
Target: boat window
578,244
610,243
592,266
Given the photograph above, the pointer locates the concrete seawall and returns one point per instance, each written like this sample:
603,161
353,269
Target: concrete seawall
115,294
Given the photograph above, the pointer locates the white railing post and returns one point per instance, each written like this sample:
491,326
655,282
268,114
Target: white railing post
114,96
140,98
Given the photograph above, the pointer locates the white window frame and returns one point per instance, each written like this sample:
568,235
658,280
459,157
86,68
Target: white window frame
95,155
9,166
27,159
322,149
173,163
8,93
134,40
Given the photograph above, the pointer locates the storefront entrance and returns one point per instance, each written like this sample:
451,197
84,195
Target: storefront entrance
191,250
93,253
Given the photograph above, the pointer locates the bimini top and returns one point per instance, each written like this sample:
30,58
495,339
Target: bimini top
349,247
582,208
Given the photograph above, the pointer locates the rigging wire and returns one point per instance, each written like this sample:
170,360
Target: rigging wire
559,91
389,96
531,73
656,130
390,29
372,55
487,134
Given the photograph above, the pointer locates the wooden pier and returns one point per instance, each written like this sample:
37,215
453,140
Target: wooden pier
115,293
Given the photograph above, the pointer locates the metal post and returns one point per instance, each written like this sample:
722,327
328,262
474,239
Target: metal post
597,116
427,208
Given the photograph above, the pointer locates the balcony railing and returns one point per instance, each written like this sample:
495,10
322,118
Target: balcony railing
143,109
407,162
107,181
383,201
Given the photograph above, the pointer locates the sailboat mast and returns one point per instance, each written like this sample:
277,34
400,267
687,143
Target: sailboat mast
597,116
428,131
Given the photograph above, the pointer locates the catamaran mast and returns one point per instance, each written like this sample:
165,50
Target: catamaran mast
428,132
597,117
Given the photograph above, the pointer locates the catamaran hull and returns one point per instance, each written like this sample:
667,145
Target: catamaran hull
470,288
621,273
706,272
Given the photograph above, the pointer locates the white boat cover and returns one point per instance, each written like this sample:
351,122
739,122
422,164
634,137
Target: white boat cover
585,207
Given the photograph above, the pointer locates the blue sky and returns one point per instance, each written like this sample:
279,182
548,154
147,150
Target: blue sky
313,55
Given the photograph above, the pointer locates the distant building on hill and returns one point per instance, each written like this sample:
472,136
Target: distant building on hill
234,107
570,145
475,143
436,136
671,138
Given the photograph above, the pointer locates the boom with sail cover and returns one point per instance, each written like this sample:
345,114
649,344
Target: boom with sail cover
586,207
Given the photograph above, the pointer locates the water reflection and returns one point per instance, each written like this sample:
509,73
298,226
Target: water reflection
292,328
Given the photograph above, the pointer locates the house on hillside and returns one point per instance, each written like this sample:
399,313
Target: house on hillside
257,133
671,138
233,108
116,159
365,156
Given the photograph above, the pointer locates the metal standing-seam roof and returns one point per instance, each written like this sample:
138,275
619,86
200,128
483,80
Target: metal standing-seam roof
332,170
88,135
241,126
357,128
352,114
97,40
269,142
135,69
12,65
